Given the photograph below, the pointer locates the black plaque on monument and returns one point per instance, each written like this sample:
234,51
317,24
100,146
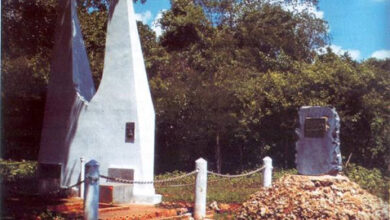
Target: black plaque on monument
130,132
315,127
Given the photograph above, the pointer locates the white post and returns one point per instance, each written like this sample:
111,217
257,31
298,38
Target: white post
267,174
82,176
200,189
91,196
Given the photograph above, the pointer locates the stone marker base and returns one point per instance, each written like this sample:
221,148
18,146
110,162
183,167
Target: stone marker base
146,199
121,193
48,185
326,177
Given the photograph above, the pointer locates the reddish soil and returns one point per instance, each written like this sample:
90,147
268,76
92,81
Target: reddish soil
30,207
22,207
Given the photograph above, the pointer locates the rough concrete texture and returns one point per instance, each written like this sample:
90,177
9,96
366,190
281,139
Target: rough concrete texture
99,130
115,193
318,155
69,90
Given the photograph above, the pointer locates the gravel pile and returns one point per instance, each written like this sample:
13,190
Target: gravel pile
320,197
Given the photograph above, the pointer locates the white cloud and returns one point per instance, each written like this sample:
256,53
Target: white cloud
144,16
381,54
355,54
298,6
156,27
301,7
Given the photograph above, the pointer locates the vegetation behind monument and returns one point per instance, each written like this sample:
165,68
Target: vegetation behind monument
227,81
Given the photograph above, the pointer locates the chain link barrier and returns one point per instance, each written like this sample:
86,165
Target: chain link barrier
167,180
150,182
181,177
238,175
177,185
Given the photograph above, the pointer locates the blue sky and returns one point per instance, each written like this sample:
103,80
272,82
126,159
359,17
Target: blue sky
359,27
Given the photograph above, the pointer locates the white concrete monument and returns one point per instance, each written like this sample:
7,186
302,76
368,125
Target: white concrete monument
116,127
69,91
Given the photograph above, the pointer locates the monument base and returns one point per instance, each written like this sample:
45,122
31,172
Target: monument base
48,185
146,199
121,193
326,177
51,186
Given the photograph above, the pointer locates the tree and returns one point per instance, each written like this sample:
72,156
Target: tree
227,78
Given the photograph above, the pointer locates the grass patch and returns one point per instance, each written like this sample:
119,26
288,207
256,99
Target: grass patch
235,190
219,189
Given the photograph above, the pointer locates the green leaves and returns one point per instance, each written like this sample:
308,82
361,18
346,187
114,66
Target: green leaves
184,25
224,74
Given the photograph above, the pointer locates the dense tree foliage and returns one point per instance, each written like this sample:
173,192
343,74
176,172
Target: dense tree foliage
227,79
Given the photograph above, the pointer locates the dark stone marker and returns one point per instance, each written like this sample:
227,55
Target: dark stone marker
49,171
318,147
127,174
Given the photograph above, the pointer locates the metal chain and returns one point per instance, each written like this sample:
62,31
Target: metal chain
149,182
177,185
74,185
238,175
125,181
177,177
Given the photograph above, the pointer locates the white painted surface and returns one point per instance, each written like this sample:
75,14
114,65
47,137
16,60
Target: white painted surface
70,87
123,96
82,176
200,189
267,174
91,197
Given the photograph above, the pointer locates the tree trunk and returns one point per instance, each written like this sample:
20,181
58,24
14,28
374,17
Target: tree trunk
242,157
218,158
286,152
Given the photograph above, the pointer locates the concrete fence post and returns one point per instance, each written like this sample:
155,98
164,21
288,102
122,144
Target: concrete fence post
200,189
91,193
267,173
82,176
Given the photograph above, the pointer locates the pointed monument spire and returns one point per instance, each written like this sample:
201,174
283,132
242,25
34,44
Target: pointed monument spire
70,87
117,127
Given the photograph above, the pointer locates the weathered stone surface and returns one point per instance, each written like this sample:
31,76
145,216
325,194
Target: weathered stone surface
305,197
318,146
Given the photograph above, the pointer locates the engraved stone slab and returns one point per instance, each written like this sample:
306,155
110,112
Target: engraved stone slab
127,174
315,127
318,147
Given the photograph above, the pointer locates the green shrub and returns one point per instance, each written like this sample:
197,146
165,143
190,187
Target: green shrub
372,180
49,215
11,171
219,189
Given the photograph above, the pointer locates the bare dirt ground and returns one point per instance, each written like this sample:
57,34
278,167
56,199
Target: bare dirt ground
32,207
